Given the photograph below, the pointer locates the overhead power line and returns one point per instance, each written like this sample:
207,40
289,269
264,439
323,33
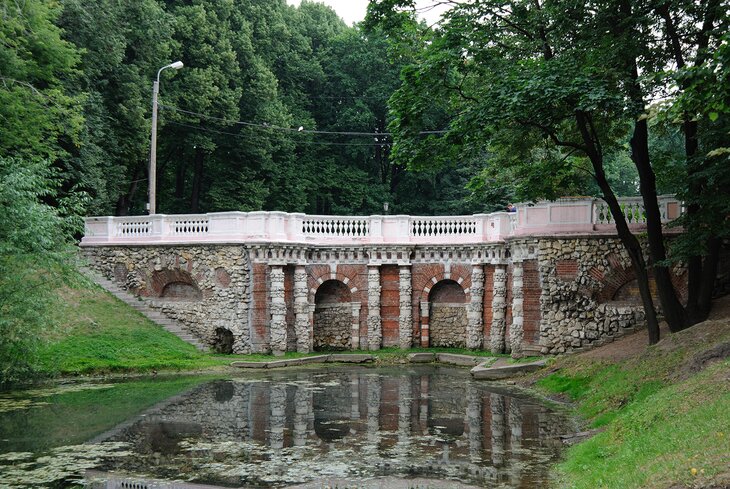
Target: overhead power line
320,143
272,127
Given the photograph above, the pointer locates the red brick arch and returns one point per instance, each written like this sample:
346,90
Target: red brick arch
318,274
162,281
612,281
424,286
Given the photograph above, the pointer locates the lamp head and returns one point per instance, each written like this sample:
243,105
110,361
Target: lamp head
177,65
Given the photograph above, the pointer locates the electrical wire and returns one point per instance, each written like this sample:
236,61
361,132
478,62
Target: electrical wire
286,129
317,143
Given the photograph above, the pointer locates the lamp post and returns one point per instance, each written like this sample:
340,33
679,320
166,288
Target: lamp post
151,205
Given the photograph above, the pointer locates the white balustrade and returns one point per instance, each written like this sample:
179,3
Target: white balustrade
336,227
128,227
190,225
632,209
634,212
569,215
436,227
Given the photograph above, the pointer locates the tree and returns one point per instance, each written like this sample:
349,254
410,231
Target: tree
35,254
124,44
36,111
550,89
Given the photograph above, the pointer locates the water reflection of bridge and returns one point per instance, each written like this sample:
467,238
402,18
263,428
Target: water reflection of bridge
415,425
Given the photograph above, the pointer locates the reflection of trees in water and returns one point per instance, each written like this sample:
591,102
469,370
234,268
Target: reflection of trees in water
417,423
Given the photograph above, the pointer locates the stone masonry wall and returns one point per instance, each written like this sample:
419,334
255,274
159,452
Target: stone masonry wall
555,294
576,311
448,325
333,326
219,272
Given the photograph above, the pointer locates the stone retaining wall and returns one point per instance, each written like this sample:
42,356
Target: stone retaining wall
580,277
219,272
548,294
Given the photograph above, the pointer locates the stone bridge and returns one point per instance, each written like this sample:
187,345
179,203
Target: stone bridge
549,278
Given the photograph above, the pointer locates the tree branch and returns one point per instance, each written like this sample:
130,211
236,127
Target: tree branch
550,132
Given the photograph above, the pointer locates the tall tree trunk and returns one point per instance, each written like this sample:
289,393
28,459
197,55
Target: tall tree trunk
700,273
182,166
671,307
630,242
197,180
124,202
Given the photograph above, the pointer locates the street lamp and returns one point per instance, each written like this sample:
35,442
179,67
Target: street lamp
151,207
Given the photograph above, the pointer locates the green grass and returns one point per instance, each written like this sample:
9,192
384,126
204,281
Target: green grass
660,420
659,438
574,387
97,333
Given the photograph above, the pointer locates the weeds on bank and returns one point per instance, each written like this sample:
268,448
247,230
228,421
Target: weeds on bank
662,427
664,436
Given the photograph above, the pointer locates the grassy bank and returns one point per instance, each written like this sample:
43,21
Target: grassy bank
96,333
664,411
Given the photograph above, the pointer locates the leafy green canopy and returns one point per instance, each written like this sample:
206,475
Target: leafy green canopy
39,118
34,256
508,78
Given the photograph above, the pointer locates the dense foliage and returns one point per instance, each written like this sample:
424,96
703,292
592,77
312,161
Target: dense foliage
75,88
559,96
33,259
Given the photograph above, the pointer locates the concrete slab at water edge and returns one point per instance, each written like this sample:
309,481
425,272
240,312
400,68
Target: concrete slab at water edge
249,364
483,372
350,358
455,359
293,362
297,361
421,357
450,358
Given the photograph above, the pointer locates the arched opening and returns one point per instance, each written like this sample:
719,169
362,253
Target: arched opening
181,291
175,284
332,316
223,342
447,321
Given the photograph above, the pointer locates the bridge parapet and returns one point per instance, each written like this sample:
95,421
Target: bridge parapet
564,216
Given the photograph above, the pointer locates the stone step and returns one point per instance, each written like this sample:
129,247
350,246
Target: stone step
141,306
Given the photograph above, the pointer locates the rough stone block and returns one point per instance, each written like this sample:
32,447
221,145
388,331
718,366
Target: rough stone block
347,358
455,359
421,357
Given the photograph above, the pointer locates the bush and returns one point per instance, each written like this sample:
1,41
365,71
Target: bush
36,229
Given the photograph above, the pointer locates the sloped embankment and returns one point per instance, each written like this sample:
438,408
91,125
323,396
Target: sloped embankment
662,412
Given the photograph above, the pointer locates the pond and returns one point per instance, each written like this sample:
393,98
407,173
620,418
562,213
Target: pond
413,426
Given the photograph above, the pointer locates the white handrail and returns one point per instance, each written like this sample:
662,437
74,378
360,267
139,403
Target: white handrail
567,215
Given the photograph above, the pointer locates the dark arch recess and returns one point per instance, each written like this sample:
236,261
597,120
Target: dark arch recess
332,292
447,291
175,284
